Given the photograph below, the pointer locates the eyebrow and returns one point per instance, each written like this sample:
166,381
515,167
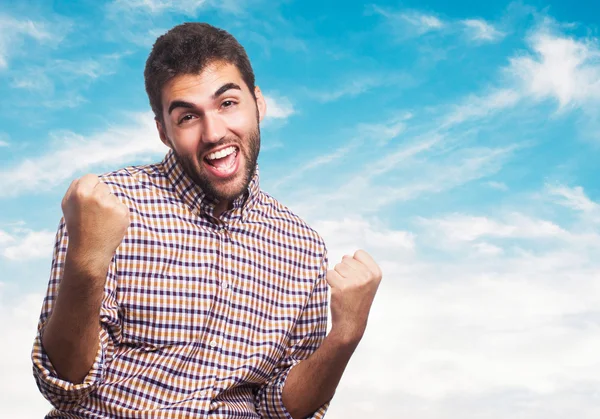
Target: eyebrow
188,105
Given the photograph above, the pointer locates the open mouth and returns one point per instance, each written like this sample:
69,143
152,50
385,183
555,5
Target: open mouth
223,163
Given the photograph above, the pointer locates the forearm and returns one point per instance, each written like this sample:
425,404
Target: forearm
71,335
313,382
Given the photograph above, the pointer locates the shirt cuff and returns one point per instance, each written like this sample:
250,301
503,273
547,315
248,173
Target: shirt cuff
60,393
270,397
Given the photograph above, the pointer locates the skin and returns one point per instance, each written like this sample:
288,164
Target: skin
201,113
96,222
212,119
354,282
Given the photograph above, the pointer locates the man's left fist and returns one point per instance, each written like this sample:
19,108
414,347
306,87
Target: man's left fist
354,282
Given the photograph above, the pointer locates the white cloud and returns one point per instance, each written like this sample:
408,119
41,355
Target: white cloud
353,87
488,249
422,168
476,107
574,198
56,83
410,23
481,31
497,185
422,22
345,236
5,238
14,31
464,330
73,154
188,7
381,134
19,396
319,161
27,244
279,107
460,227
560,67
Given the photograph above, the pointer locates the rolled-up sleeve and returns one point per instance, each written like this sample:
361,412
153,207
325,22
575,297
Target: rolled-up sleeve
307,335
60,393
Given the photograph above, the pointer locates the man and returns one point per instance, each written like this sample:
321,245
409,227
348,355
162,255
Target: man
180,289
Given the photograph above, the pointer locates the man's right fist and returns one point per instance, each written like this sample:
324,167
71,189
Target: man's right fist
96,220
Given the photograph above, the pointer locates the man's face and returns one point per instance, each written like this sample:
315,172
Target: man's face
211,121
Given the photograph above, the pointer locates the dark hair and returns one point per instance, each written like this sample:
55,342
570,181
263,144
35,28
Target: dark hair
187,49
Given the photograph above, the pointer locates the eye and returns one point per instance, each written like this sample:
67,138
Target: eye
228,104
186,118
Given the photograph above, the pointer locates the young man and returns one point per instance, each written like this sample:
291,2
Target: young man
180,289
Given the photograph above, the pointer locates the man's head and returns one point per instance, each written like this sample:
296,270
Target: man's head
201,88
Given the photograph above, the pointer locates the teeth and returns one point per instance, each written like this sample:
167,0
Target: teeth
220,154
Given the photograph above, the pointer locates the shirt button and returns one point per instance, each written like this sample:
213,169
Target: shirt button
213,343
203,393
225,285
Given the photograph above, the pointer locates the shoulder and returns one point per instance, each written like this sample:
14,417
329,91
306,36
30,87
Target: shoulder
128,181
288,223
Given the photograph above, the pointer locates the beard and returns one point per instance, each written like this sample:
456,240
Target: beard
230,189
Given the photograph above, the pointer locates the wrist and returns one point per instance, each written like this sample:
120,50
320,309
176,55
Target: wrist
345,338
86,264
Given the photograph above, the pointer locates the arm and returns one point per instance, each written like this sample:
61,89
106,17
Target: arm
71,336
313,382
79,324
306,336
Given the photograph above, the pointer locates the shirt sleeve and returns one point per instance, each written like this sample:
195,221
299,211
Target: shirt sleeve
306,337
60,393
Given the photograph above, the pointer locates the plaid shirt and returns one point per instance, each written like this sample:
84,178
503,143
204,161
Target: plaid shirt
201,317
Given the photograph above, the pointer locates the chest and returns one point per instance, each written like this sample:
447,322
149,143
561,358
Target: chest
182,278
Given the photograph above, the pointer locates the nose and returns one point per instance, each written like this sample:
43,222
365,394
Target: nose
214,128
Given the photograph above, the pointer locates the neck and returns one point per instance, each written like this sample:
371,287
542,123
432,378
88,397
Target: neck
221,207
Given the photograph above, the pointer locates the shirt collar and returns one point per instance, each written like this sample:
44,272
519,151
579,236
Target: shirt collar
193,196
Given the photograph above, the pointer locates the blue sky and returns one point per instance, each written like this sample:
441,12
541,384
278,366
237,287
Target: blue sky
457,142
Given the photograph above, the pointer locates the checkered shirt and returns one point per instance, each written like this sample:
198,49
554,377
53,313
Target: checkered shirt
201,317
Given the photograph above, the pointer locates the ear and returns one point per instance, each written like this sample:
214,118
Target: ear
162,134
260,103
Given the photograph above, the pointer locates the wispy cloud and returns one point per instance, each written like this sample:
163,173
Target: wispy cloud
279,107
352,88
475,107
56,84
316,162
460,227
409,23
497,185
14,31
481,31
381,134
73,153
358,84
576,199
186,7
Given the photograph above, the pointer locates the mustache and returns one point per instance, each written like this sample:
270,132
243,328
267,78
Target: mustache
222,143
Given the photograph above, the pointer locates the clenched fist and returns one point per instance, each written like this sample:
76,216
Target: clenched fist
96,221
354,282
